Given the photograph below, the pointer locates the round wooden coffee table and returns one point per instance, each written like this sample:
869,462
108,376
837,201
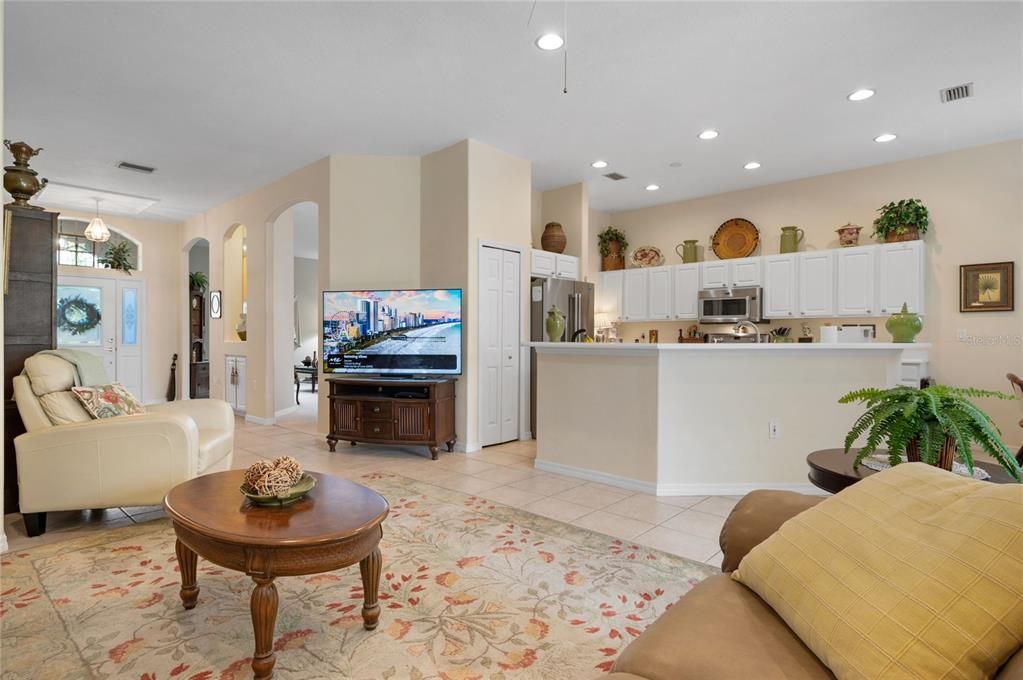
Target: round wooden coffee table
832,469
336,525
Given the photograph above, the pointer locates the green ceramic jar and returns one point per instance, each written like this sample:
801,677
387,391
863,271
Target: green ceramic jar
555,324
904,325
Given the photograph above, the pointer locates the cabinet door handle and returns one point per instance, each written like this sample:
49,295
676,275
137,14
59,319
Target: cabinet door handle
376,429
868,311
376,409
883,310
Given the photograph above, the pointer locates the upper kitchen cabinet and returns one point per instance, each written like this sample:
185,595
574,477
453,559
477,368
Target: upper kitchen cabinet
609,294
902,276
741,273
659,293
746,272
685,288
817,283
635,295
780,286
566,267
542,263
856,282
715,274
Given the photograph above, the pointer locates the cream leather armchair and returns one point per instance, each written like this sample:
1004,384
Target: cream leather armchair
68,461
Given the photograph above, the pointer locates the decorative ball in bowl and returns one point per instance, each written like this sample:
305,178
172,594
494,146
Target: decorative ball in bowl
276,482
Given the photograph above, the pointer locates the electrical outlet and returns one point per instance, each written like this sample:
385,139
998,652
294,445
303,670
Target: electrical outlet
773,429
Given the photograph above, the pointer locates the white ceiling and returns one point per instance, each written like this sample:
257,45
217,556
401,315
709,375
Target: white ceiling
224,97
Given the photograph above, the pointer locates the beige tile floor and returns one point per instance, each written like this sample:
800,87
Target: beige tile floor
683,525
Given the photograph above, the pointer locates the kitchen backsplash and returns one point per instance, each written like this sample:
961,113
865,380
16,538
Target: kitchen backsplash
667,331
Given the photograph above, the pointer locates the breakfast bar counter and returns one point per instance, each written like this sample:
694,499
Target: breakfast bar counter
699,419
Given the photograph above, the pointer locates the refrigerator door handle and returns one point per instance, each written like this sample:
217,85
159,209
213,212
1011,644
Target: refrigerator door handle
575,309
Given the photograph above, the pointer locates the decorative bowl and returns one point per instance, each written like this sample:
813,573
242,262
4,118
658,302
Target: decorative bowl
303,486
647,256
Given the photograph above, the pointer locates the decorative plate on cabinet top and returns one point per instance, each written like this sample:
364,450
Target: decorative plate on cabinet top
647,256
736,237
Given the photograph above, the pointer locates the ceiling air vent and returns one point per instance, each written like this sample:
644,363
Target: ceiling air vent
135,167
615,176
954,94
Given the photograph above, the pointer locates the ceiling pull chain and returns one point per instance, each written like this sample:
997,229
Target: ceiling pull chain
531,10
564,89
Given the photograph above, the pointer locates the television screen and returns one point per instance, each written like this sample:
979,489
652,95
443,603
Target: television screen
393,331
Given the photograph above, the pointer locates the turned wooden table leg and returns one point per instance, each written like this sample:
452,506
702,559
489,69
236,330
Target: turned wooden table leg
186,564
370,568
264,618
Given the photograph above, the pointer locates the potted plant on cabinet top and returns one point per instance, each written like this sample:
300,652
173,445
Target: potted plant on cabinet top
935,425
905,220
198,281
612,244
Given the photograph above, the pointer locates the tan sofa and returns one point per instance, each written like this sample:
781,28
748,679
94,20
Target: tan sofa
111,462
721,629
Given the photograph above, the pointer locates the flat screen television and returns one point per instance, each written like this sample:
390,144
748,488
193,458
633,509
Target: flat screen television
393,332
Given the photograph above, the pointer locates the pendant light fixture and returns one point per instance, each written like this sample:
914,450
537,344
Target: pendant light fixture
97,229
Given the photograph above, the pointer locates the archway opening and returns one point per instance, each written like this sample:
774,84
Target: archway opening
198,319
236,284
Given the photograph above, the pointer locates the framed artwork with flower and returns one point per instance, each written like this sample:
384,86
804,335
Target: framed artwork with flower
986,287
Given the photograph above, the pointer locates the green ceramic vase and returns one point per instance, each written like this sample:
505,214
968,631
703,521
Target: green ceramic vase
555,324
904,325
688,251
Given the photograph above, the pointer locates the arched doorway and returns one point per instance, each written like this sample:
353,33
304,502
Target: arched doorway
294,296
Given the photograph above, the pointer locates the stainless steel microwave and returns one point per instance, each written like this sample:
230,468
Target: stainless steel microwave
730,305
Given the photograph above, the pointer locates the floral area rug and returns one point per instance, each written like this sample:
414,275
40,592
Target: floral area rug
471,590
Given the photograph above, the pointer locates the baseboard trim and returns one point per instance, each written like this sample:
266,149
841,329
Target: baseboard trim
735,489
259,421
463,447
285,411
593,476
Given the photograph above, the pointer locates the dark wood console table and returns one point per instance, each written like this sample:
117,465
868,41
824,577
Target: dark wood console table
832,470
387,411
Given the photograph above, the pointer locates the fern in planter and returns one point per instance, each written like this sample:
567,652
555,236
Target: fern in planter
198,281
905,416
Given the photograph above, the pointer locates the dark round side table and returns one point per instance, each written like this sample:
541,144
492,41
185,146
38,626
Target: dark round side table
832,470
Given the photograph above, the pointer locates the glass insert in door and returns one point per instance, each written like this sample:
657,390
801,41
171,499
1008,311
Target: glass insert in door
79,315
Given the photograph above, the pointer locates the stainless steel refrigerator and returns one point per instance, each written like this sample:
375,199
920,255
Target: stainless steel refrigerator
575,300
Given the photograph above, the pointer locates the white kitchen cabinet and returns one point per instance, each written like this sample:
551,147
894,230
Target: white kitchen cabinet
609,294
817,283
685,288
746,272
902,277
234,382
659,293
542,263
635,295
566,267
715,274
856,281
780,286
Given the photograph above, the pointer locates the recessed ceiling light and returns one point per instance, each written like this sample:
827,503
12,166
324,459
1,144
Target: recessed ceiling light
550,41
675,164
860,95
599,164
652,187
752,165
886,137
708,134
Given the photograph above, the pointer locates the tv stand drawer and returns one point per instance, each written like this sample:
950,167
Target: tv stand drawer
375,409
377,429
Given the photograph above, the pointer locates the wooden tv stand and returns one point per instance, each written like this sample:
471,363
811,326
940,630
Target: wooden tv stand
392,411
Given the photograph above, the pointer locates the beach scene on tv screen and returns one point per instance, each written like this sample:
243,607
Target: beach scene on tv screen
392,331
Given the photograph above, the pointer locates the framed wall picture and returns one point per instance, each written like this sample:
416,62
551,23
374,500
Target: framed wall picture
216,308
986,287
653,337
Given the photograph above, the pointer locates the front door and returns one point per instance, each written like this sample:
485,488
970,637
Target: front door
103,317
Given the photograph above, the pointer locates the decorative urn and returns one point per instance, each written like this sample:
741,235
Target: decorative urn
21,181
904,325
555,324
553,238
848,235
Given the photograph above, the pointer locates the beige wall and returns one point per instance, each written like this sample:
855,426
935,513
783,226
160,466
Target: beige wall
570,206
536,216
598,221
162,316
974,198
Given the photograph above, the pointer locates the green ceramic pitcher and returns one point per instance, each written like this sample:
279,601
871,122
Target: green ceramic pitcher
790,239
555,324
687,251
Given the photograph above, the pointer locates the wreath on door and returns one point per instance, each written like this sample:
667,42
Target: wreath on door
76,315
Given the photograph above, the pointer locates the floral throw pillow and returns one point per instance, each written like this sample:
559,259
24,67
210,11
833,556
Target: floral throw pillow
108,401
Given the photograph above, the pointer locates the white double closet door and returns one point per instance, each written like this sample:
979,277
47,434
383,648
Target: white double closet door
103,317
499,313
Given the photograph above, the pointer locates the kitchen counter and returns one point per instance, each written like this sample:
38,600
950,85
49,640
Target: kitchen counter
699,419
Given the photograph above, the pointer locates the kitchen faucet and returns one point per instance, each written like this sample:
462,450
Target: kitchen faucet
575,336
740,329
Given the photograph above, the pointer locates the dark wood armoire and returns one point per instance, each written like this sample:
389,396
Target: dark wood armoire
30,307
